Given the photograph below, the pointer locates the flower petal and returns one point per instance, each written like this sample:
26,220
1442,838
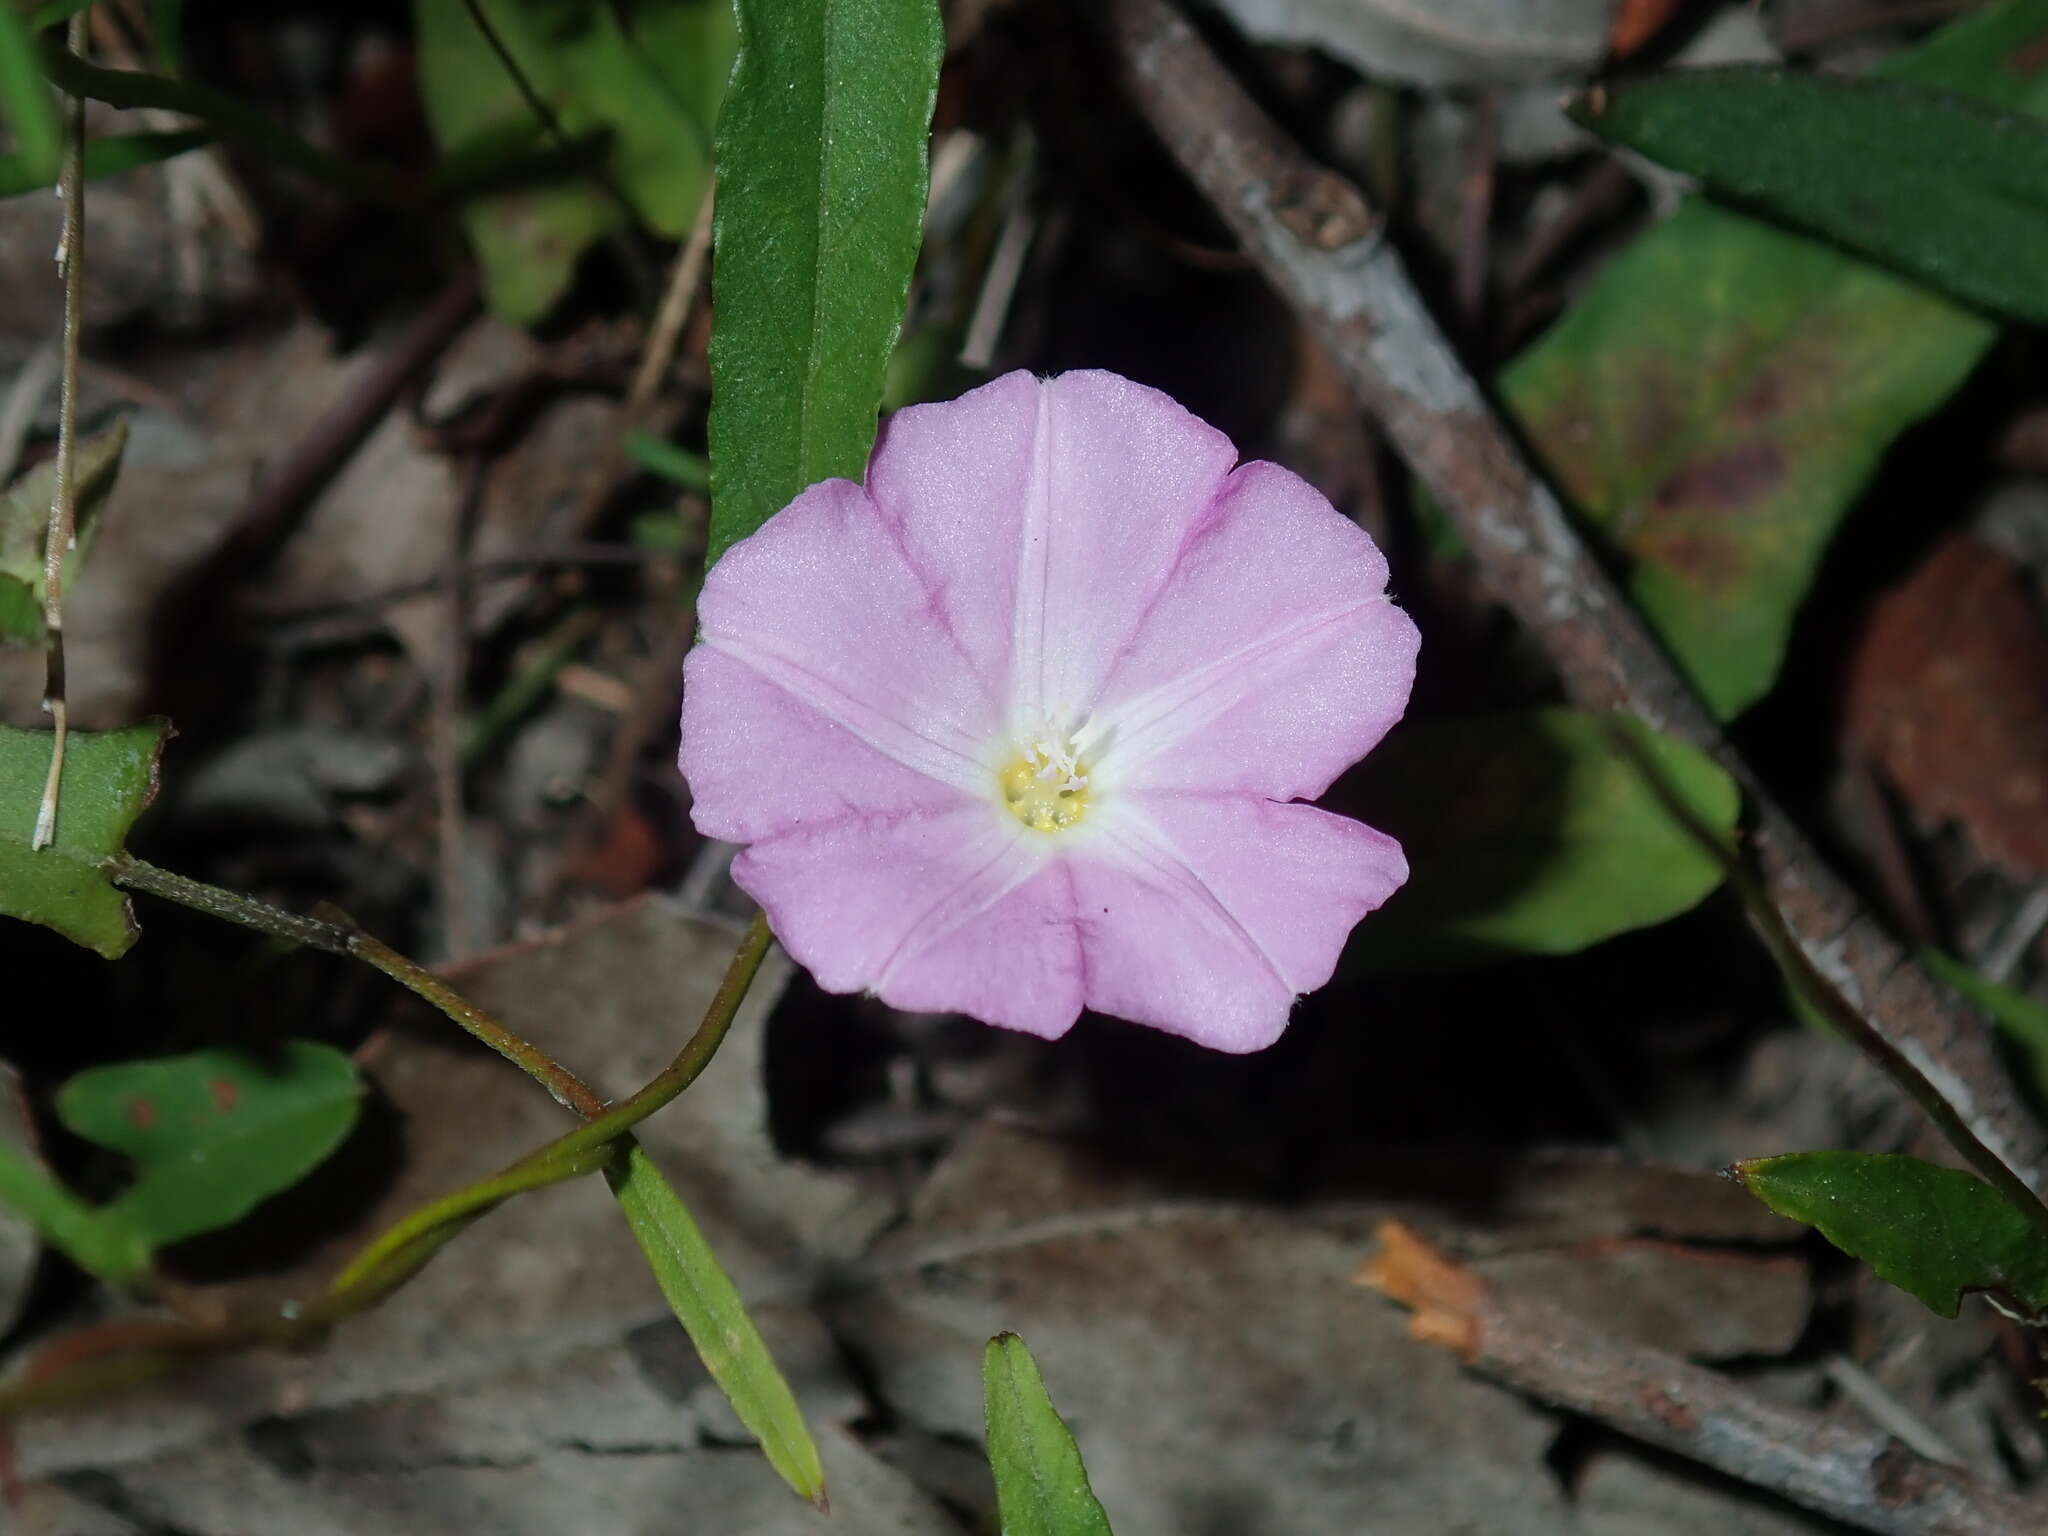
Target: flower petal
742,734
1273,659
945,912
1044,518
1206,915
821,603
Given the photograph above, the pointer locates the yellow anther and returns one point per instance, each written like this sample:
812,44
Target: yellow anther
1044,793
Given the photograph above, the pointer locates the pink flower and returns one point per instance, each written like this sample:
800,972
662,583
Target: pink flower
1020,726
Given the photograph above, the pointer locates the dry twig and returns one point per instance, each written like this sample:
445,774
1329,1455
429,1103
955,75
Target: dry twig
1312,235
62,531
1864,1477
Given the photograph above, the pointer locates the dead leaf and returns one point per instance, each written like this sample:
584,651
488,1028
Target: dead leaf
1948,692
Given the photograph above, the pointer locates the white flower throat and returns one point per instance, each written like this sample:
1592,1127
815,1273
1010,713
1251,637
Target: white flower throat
1045,782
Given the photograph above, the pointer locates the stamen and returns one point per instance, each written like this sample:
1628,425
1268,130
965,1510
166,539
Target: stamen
1046,785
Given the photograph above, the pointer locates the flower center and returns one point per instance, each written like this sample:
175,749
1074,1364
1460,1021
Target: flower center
1046,784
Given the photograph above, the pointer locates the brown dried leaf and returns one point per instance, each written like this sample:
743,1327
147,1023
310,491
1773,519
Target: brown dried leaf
1948,692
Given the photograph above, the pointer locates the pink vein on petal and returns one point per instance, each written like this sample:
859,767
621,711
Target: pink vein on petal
896,739
962,903
1148,848
1153,721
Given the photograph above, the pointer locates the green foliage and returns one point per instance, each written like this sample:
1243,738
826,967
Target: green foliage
224,114
26,105
99,1247
1933,1232
1946,192
25,524
1041,1486
1538,832
109,776
711,1312
212,1134
671,461
821,191
639,85
1717,399
108,156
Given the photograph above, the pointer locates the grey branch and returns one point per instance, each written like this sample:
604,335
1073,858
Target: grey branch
1314,238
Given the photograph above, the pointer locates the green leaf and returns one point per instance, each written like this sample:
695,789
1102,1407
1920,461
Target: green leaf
1539,832
109,1249
1944,191
642,88
215,1133
26,105
109,776
108,156
1721,394
821,190
1933,1232
1041,1486
223,113
671,461
25,523
711,1312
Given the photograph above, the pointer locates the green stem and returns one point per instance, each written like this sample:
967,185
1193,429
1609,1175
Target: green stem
400,1251
230,906
567,1089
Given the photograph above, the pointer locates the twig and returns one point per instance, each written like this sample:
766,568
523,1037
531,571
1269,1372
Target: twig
1865,1478
1475,217
677,300
1318,244
62,528
2019,934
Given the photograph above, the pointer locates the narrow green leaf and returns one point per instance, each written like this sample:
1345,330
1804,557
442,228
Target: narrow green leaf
1947,192
2022,1021
225,114
108,156
25,524
109,1249
214,1133
1041,1486
1934,1232
109,776
1536,832
821,191
26,105
1722,393
671,461
711,1312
